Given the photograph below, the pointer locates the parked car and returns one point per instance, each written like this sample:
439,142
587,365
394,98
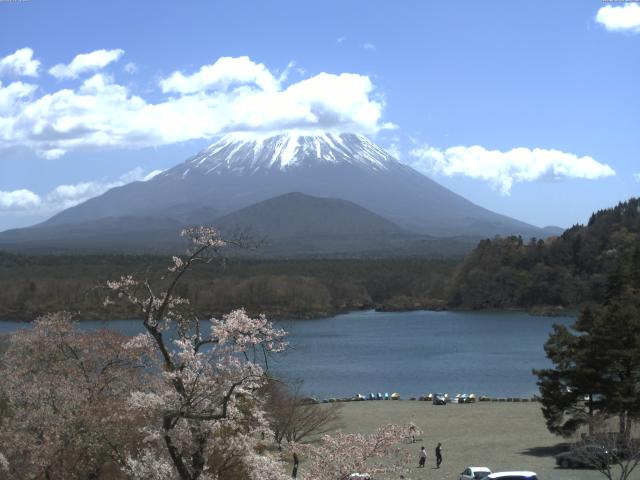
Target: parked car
475,473
620,448
515,475
466,398
439,399
584,456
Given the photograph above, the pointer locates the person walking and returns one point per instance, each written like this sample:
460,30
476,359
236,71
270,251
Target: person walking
423,457
438,455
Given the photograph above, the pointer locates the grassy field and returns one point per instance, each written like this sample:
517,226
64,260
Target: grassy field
501,436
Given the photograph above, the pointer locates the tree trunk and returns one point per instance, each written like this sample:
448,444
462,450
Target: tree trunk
590,412
624,422
174,453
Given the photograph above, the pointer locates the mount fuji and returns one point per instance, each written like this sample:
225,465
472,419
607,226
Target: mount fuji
241,170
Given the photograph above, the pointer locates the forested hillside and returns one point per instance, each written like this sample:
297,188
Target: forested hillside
587,263
33,285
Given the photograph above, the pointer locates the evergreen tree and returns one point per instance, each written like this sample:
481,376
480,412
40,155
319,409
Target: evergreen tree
596,368
635,268
593,263
574,378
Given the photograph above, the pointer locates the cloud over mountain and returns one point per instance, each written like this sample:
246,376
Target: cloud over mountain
22,199
86,62
224,73
503,169
232,94
65,196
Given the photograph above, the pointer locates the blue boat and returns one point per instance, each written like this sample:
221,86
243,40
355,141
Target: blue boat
386,395
379,396
372,396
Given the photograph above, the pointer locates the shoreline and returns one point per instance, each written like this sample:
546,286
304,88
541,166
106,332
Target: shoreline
274,316
536,311
452,401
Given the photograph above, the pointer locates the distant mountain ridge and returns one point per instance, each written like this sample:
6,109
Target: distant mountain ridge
125,234
299,225
241,170
298,215
293,225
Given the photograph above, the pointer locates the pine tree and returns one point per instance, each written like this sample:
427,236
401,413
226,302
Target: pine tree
596,368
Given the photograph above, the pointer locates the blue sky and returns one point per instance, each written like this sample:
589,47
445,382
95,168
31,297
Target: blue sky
451,87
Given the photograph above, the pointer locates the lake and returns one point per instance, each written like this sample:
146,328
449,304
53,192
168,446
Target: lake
486,353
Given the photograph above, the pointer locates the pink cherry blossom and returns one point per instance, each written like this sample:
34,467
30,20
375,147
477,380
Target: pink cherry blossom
337,456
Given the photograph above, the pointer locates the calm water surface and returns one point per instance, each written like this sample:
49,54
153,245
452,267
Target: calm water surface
487,353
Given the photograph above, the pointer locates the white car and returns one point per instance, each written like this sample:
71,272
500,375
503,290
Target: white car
475,473
519,475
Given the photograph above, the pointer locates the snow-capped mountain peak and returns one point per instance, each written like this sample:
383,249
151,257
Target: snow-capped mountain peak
250,153
240,170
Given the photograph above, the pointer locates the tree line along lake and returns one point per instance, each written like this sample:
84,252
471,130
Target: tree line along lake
487,353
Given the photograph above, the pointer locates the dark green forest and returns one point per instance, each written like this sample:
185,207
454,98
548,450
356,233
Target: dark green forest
583,265
33,285
588,263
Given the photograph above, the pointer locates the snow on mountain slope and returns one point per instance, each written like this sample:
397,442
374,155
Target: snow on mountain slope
243,169
250,153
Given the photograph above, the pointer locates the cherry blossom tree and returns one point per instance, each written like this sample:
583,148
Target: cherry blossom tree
338,456
66,393
183,400
205,418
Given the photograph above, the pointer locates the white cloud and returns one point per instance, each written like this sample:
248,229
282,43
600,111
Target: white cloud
138,175
20,63
394,150
14,94
130,68
341,39
503,169
230,95
637,176
625,18
65,196
225,72
369,46
18,200
150,175
86,62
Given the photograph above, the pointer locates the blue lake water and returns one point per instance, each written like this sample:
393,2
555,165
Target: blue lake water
487,353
